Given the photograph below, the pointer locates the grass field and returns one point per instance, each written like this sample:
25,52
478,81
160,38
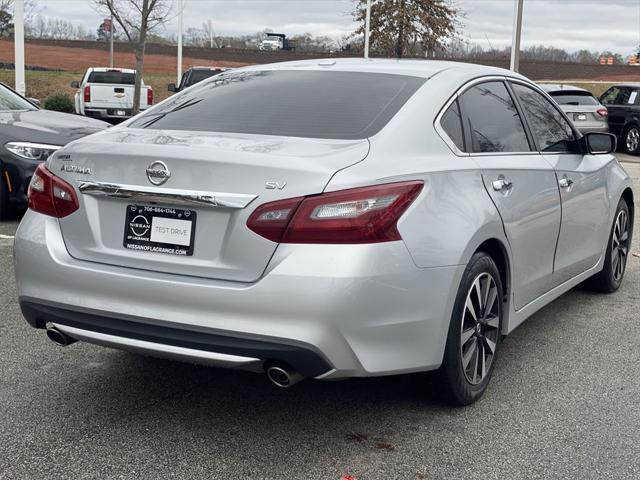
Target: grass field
42,84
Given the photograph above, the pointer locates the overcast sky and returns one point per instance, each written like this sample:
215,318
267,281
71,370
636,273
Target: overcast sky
570,24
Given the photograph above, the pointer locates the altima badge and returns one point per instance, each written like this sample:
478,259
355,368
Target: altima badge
158,172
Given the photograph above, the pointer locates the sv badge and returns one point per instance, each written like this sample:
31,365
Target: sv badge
275,185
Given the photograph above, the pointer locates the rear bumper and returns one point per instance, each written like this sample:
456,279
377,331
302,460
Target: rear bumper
108,113
330,310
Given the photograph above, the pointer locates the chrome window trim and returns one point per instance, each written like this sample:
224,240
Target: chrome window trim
471,83
166,195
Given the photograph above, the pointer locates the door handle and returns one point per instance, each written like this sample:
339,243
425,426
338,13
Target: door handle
502,184
565,182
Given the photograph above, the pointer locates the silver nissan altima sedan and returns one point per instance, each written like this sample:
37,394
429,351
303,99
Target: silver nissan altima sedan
326,219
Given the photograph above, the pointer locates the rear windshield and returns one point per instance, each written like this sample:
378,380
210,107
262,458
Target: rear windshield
312,104
120,78
574,98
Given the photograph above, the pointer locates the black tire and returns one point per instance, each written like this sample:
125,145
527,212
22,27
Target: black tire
457,387
631,140
4,196
612,274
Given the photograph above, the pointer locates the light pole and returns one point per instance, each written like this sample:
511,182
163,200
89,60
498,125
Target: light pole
180,16
111,42
517,31
367,28
18,20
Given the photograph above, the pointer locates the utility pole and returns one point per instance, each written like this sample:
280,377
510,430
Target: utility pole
517,32
180,17
18,20
210,34
367,28
111,43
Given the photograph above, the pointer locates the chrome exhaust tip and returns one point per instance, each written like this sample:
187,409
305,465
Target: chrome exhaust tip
59,338
283,376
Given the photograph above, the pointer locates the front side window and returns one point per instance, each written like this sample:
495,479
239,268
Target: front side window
289,103
451,123
619,96
492,120
550,129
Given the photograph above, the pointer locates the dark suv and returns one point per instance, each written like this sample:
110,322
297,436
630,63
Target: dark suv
623,103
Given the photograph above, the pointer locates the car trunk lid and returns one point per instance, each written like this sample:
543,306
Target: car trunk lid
237,172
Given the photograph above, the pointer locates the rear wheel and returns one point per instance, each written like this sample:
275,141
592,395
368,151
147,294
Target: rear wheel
631,142
615,261
474,332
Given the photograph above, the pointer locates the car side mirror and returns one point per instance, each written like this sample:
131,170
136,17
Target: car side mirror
35,101
172,87
600,143
75,84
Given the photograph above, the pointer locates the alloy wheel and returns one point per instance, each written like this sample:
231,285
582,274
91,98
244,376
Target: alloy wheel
633,139
479,332
620,245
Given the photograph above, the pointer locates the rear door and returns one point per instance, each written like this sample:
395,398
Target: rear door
582,182
521,183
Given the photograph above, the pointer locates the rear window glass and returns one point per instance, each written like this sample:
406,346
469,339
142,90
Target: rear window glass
112,77
313,104
574,98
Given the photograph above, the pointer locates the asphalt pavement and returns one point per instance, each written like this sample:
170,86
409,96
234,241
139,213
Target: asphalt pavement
564,403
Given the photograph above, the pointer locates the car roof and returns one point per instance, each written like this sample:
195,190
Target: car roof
416,68
559,87
630,85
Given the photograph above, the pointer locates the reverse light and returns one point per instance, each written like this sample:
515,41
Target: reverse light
358,215
31,151
51,195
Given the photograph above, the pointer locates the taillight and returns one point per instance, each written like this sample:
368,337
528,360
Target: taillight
87,93
149,96
51,195
358,215
603,112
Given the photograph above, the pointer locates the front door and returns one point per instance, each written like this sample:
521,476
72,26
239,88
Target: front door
581,182
521,183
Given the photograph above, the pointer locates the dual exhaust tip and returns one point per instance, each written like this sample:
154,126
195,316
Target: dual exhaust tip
279,374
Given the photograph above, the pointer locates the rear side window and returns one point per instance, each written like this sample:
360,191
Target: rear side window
313,104
451,123
550,129
120,78
492,119
574,98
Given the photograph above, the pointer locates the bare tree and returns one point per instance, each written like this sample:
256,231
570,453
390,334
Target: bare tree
137,19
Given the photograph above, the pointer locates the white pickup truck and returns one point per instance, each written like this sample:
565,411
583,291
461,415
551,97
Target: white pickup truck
107,93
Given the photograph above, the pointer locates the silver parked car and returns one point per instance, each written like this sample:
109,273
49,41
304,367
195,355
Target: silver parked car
326,219
583,109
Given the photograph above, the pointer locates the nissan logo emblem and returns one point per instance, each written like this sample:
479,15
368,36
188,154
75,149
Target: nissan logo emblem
158,172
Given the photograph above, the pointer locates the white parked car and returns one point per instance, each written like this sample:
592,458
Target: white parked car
107,93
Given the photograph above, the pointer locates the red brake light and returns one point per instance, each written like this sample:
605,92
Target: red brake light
358,215
51,195
603,112
87,93
149,96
